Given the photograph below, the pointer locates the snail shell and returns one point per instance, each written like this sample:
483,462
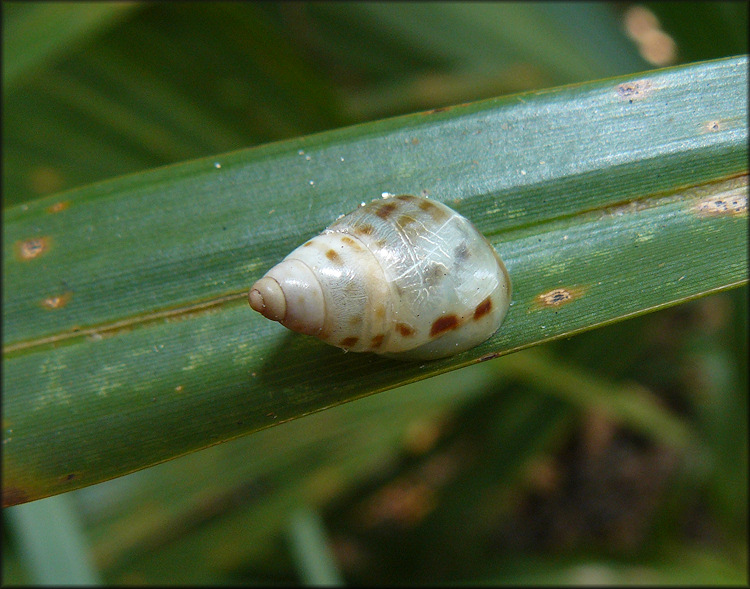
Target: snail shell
402,276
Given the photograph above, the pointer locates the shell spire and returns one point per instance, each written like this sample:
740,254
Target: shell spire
291,294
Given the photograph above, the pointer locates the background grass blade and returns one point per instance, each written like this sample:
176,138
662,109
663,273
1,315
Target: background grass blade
53,543
38,32
308,542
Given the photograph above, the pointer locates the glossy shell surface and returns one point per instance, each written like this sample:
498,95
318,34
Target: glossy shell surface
401,276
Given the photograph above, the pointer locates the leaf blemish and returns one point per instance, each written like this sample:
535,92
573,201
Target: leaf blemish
632,91
14,496
32,248
723,205
711,126
433,111
558,297
58,207
56,301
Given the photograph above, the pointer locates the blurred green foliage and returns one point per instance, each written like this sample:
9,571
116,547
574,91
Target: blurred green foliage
492,474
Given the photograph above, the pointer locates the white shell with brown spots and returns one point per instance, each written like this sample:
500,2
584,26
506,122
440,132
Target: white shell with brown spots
401,276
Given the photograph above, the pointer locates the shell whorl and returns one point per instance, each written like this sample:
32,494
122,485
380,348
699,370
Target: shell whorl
291,294
402,276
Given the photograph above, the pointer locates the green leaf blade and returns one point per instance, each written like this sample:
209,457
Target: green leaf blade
127,339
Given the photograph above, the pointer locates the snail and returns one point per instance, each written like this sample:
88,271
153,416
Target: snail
401,276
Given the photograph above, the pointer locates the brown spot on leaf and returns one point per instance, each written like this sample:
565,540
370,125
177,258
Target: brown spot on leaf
29,249
728,204
433,111
404,329
711,126
56,301
634,91
349,342
443,324
558,296
483,308
58,206
13,496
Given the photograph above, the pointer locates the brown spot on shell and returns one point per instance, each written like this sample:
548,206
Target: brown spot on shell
377,341
334,257
348,241
364,229
404,329
308,244
443,324
32,248
406,197
385,210
426,205
349,342
405,220
437,213
380,311
483,308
